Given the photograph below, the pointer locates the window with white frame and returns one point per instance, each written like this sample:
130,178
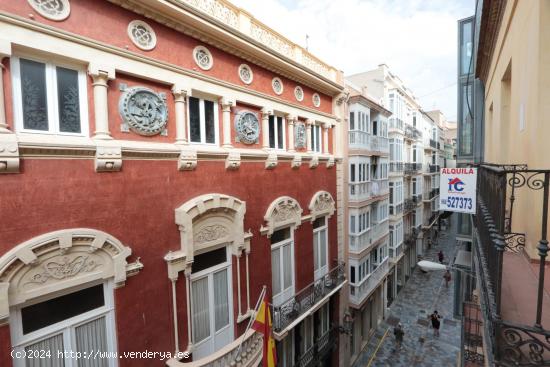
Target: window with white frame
276,132
316,138
396,150
203,121
324,319
360,270
352,120
285,350
320,247
306,333
282,265
80,321
49,97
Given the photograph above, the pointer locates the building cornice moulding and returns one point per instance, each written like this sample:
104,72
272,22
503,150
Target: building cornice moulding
195,23
96,45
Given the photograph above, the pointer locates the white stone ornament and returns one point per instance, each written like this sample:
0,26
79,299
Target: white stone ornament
300,135
203,57
52,9
143,110
246,74
142,35
316,100
299,93
277,85
247,127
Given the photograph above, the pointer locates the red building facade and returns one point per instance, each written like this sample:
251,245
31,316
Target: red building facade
163,162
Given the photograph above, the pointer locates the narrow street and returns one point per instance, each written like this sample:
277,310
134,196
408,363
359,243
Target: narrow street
422,294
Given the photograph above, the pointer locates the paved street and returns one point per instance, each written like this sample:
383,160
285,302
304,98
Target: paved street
422,294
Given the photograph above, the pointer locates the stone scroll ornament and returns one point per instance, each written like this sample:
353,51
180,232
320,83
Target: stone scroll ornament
143,110
247,127
300,135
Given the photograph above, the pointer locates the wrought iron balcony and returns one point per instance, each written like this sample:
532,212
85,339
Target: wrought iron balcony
300,304
434,192
412,168
410,204
509,343
324,344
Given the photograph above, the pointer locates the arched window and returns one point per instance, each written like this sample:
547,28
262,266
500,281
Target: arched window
321,208
57,290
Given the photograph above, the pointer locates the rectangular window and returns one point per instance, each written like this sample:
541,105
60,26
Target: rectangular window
276,132
203,121
49,98
316,138
352,120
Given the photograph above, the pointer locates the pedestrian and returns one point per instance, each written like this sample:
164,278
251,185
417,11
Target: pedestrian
447,277
440,256
434,317
398,333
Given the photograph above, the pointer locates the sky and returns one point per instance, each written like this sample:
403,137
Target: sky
417,39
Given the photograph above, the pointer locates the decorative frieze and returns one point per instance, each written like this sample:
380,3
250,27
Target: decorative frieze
271,161
187,160
143,111
108,159
233,161
9,153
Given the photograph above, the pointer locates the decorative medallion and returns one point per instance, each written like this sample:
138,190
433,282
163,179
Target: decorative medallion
316,100
52,9
300,135
142,35
143,110
203,57
277,86
245,73
210,233
63,268
247,127
299,93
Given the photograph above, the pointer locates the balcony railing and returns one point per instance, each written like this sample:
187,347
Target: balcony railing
379,144
434,193
250,356
396,166
361,290
323,345
307,298
434,168
410,204
360,191
360,242
412,132
508,343
359,139
412,168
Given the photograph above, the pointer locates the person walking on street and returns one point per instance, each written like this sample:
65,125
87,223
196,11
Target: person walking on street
398,333
440,256
434,317
447,277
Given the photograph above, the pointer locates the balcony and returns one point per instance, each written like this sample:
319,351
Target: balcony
410,204
360,291
412,168
396,209
396,124
360,191
412,133
362,241
434,168
359,139
396,166
379,144
512,295
250,356
396,252
290,313
322,347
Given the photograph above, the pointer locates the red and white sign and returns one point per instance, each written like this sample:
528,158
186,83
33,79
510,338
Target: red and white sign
458,190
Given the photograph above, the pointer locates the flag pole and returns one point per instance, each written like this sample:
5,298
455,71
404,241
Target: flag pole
252,318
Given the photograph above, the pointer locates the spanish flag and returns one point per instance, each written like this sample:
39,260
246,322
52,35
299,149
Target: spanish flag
263,325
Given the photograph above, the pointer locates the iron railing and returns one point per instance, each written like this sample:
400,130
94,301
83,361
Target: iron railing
509,344
410,204
287,312
411,168
324,344
434,168
396,166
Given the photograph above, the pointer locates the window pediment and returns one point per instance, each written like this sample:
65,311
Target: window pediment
283,211
321,204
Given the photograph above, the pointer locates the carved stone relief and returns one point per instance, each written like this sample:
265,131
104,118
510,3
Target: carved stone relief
282,212
62,267
247,127
203,57
299,93
246,74
210,233
300,135
142,35
277,85
52,9
143,110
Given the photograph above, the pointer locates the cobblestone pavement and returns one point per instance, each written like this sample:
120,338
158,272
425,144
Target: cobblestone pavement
422,294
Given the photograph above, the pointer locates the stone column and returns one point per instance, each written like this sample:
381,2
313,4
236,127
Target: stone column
101,76
265,127
291,122
326,128
226,121
180,99
309,122
188,303
5,51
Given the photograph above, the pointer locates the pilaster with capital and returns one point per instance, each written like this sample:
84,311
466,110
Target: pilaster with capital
291,122
309,122
226,104
5,51
9,147
266,112
101,75
326,128
180,99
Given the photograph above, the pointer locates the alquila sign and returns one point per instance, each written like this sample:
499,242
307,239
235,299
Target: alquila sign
458,190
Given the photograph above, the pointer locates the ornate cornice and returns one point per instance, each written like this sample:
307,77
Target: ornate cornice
491,19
